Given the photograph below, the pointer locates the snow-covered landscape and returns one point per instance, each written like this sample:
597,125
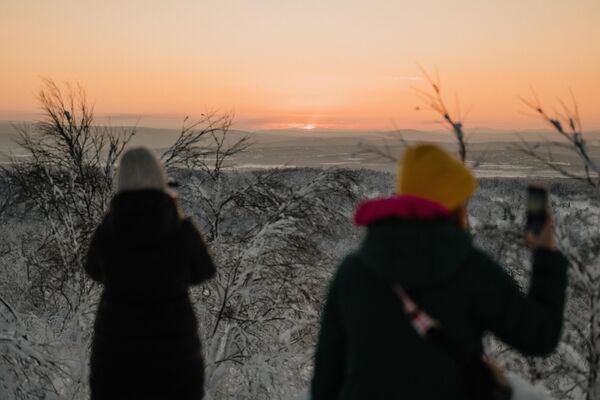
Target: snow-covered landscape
277,236
269,124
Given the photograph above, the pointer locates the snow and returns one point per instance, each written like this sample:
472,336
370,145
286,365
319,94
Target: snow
277,236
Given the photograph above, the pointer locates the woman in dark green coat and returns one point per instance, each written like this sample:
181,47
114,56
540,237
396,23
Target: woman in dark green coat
367,347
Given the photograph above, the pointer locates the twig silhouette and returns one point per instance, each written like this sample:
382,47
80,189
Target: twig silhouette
434,100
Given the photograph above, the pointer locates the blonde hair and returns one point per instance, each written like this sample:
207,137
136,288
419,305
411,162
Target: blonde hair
140,169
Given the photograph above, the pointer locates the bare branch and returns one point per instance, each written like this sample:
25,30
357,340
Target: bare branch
434,100
205,145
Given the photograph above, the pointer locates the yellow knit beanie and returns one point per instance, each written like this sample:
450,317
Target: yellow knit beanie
430,172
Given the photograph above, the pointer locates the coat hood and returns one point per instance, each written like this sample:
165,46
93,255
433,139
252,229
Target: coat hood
411,241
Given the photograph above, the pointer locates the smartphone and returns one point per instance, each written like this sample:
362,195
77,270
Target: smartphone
537,209
172,183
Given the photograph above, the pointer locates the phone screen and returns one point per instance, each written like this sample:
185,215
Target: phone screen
537,209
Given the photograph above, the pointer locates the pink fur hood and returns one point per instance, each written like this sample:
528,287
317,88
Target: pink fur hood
400,206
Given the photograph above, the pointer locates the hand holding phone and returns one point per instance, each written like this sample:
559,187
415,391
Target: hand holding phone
537,209
539,226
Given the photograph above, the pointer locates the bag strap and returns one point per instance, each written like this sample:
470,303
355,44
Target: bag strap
419,319
427,327
430,329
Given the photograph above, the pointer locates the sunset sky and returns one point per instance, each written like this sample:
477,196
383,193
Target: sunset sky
324,64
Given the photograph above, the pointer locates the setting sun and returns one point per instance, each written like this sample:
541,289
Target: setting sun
302,126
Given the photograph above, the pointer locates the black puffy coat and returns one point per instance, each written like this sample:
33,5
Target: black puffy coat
146,341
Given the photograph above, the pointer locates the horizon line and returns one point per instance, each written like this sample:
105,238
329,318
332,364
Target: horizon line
317,129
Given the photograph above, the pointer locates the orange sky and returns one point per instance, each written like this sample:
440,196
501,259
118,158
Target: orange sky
284,63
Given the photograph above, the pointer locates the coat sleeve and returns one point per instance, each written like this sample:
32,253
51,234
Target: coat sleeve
93,265
330,361
201,264
532,322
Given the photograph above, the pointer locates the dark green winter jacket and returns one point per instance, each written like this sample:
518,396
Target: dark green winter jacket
367,348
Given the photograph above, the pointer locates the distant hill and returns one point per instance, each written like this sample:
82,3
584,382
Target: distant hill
302,141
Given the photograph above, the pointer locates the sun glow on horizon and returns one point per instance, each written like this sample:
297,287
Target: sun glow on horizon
307,127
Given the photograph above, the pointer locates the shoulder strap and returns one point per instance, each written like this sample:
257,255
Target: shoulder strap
431,329
427,327
421,322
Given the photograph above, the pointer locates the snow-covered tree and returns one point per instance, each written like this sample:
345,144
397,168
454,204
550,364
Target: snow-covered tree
580,240
260,313
62,186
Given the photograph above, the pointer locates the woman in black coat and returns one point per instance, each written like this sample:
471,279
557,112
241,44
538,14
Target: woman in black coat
146,255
